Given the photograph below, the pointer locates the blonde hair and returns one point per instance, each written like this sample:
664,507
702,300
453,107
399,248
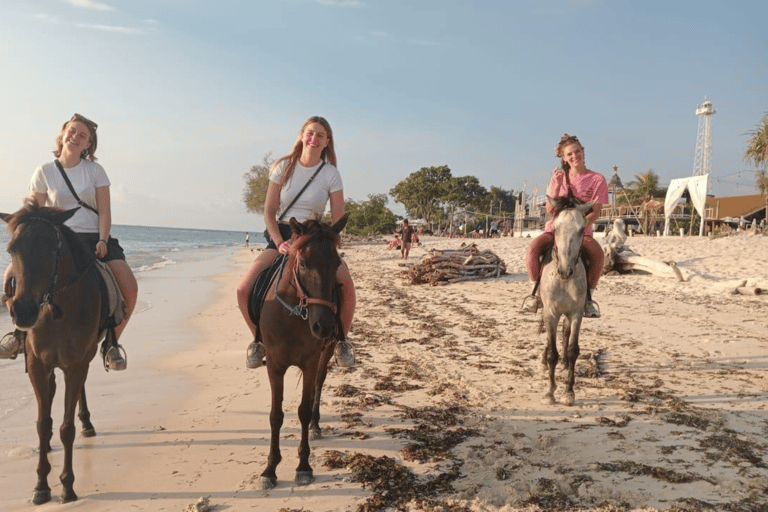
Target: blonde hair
328,154
90,152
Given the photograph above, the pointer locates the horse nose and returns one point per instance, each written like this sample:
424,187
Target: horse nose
565,273
324,327
24,312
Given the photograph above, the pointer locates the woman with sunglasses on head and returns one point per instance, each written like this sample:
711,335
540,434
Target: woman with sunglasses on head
572,178
313,161
75,151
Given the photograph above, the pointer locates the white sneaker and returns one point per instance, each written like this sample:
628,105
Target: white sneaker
591,309
10,346
344,353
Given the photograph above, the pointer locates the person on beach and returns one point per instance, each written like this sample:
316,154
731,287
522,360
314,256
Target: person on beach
312,151
75,151
247,239
586,186
406,232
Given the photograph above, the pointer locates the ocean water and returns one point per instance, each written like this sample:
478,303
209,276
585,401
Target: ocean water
149,248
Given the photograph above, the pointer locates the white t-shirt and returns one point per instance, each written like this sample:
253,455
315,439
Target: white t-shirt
311,204
86,177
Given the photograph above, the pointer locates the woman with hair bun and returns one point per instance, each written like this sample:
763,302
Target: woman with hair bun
575,180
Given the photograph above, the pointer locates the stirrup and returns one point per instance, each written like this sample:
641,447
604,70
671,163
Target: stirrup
116,365
344,352
254,356
17,337
531,304
592,313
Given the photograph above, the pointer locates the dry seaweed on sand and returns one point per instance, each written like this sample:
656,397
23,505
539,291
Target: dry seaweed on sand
467,263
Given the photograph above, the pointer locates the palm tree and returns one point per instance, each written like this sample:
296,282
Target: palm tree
757,154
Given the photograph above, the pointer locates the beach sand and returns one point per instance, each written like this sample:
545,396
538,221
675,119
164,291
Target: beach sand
671,395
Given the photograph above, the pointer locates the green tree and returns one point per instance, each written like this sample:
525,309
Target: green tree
757,154
256,184
370,217
461,194
644,187
423,191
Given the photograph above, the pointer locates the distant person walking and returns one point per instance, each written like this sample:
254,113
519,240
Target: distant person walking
586,186
247,239
313,155
75,168
406,232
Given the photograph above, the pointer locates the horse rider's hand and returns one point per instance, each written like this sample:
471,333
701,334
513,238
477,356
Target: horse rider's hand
101,249
284,247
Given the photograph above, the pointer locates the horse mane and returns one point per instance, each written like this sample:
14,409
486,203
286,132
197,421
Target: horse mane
315,229
561,203
33,212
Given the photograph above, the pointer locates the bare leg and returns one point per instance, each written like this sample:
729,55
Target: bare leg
128,286
348,299
246,284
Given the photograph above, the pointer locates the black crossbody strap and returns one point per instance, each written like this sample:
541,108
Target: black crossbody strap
72,189
300,192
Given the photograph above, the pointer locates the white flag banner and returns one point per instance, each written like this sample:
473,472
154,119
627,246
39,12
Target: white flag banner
698,189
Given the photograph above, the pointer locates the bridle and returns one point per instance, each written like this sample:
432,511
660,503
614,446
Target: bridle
305,300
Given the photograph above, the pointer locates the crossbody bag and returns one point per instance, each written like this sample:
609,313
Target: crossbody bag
72,189
286,235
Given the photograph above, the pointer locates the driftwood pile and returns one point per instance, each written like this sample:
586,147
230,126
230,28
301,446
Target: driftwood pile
622,259
441,267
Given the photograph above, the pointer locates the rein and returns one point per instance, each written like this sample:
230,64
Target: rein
299,309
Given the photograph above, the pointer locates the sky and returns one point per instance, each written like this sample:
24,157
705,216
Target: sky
189,94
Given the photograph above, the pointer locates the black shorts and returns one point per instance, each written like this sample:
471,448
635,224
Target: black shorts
114,251
285,231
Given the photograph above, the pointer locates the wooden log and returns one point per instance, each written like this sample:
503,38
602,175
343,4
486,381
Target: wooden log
628,260
749,290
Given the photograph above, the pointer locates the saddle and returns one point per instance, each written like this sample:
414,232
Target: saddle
260,288
113,306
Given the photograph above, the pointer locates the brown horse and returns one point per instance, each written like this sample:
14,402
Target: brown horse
300,324
57,303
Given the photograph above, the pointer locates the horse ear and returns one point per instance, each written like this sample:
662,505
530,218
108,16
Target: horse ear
338,227
6,216
62,217
586,207
297,227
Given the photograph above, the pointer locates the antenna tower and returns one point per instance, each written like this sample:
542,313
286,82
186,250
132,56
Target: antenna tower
701,161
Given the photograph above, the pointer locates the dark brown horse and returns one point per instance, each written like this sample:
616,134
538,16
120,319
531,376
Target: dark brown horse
300,324
56,302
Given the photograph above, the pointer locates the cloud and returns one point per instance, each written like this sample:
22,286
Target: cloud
47,18
91,4
112,28
341,3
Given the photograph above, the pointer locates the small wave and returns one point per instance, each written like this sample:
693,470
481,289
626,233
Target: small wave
155,266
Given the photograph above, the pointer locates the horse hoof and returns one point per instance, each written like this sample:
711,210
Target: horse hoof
304,478
548,400
68,496
267,483
88,432
570,399
315,434
41,497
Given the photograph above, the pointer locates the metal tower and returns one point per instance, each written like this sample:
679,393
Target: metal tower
701,161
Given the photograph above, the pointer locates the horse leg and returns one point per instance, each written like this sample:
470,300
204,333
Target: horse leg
572,354
85,415
41,383
268,478
551,358
51,394
315,432
304,474
74,380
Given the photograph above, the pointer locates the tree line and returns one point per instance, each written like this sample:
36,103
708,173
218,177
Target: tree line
436,196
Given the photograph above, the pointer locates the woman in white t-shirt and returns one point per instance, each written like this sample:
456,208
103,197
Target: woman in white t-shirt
75,155
313,148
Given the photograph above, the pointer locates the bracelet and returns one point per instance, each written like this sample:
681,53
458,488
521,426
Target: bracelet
102,240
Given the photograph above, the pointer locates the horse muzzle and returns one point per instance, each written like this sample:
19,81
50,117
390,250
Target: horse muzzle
25,312
323,326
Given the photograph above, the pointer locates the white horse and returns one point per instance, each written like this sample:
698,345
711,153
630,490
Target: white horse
564,291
